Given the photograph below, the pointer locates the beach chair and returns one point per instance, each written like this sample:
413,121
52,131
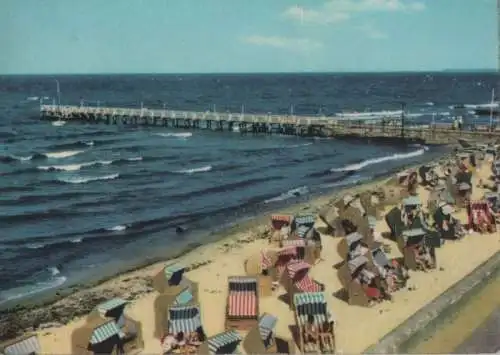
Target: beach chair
313,305
223,343
186,319
428,176
261,338
27,344
261,266
413,240
278,222
446,225
284,255
303,220
174,288
296,279
394,222
130,329
242,307
97,336
463,187
494,201
480,218
391,268
330,217
351,245
370,201
391,194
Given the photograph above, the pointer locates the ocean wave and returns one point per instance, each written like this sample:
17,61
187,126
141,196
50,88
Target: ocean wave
118,228
202,169
58,123
365,163
62,154
175,135
53,279
73,167
14,158
83,180
72,145
296,192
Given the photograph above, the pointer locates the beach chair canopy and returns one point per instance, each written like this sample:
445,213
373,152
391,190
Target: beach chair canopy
297,268
304,220
184,297
356,263
353,238
347,199
185,319
224,343
447,210
311,304
111,305
22,346
411,201
173,274
414,236
104,332
302,231
242,283
267,323
281,218
379,257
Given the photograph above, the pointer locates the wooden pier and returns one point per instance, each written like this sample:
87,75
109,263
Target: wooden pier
390,129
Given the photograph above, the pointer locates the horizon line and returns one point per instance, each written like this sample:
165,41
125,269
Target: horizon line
470,70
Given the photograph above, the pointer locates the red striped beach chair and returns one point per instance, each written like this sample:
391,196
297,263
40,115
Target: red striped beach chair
279,220
309,306
242,309
23,345
296,279
306,250
285,255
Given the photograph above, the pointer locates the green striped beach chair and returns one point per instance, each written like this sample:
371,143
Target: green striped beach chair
222,343
313,304
24,345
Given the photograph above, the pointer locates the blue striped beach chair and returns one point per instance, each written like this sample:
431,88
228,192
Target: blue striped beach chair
24,345
97,336
312,306
186,319
261,338
222,343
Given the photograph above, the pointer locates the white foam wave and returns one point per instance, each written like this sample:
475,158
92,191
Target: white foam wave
195,170
58,123
134,159
430,103
32,98
35,245
177,135
63,154
117,228
83,180
299,191
20,158
76,240
89,143
21,292
365,163
54,271
298,145
73,167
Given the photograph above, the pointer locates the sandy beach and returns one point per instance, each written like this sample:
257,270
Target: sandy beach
356,328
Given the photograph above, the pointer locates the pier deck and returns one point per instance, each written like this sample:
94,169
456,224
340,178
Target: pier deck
375,129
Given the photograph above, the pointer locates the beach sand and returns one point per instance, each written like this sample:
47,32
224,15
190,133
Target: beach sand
356,327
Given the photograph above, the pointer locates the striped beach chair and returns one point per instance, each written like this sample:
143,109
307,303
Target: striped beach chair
261,338
279,220
242,309
312,306
303,220
25,345
97,336
186,319
223,343
285,255
296,279
174,288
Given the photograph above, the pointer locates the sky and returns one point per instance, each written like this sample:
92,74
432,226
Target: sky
214,36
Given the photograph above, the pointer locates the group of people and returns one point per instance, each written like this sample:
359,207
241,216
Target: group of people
319,333
181,343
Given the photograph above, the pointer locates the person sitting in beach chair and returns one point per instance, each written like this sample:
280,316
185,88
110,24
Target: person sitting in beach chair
411,207
481,218
364,286
416,253
394,274
448,226
355,245
311,332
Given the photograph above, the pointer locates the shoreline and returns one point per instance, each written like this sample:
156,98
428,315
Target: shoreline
227,239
